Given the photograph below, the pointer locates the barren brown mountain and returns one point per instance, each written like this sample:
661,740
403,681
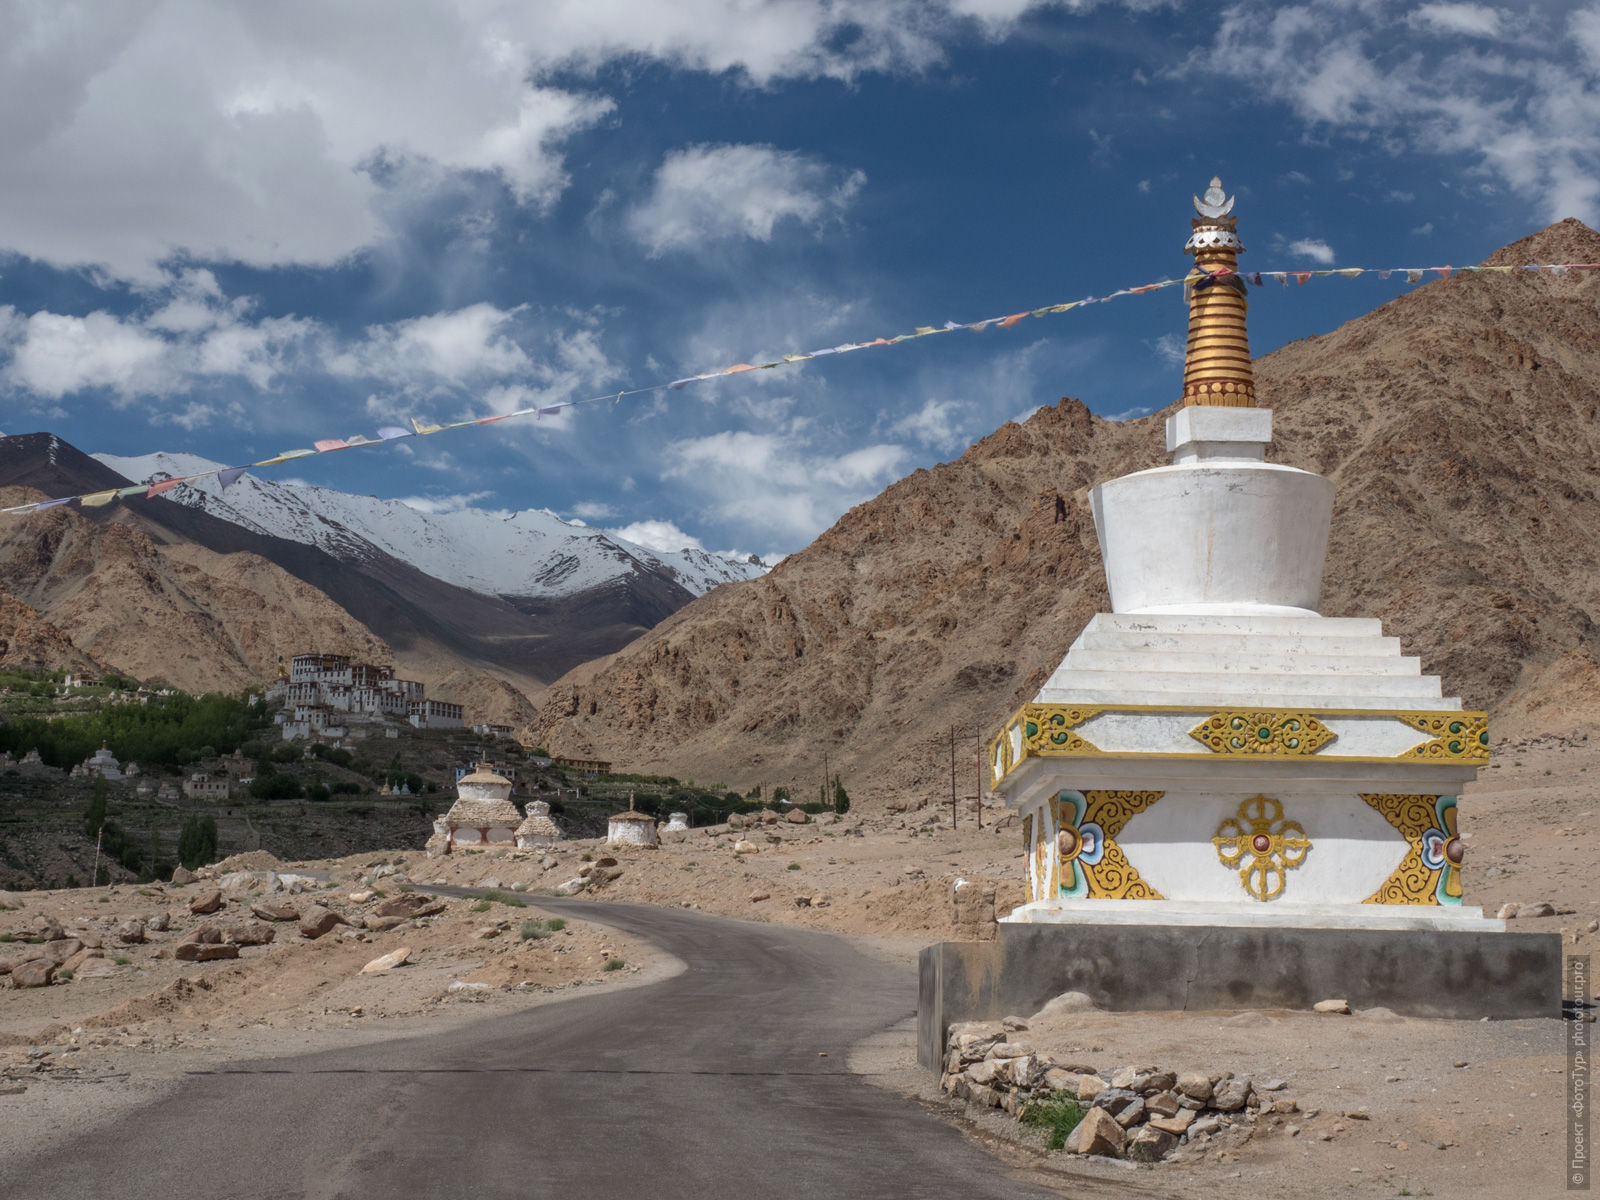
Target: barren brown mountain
1459,422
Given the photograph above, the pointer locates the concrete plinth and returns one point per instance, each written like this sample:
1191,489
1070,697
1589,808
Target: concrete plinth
1134,968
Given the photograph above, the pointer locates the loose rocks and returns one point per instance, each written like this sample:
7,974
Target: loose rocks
206,902
316,921
1097,1133
388,962
275,910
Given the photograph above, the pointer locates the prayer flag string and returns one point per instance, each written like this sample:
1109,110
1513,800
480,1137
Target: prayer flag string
227,476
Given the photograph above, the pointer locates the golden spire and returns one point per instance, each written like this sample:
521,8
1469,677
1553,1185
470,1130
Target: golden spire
1216,367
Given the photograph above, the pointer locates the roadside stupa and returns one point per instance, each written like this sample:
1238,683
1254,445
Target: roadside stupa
1226,798
483,814
538,828
631,828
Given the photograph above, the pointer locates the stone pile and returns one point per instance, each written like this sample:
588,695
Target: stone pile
1143,1113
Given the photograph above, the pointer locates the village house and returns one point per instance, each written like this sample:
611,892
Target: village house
210,789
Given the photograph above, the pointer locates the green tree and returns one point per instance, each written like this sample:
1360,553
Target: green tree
841,798
197,841
95,815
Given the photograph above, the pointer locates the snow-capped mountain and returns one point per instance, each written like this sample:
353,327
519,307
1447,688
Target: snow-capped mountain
532,554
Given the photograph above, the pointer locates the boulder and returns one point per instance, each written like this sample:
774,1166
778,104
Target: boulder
395,958
1024,1071
1159,1081
206,902
250,933
235,880
47,928
33,974
572,886
205,935
9,900
1162,1104
1115,1100
1130,1078
1090,1086
1151,1144
798,816
1058,1080
736,821
379,924
275,910
131,933
1010,1050
1541,909
745,847
58,951
1067,1002
410,905
98,968
317,920
1337,1007
75,963
983,1072
158,922
1097,1133
1176,1124
1231,1095
1195,1085
182,875
204,951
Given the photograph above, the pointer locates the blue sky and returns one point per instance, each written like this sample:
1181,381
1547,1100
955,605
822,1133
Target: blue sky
231,228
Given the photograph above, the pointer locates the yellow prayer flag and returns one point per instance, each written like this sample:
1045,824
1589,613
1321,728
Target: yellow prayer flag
96,499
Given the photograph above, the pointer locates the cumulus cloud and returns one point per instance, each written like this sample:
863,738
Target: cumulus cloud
780,484
936,425
705,194
592,510
661,536
450,503
1317,250
1516,102
273,135
1472,20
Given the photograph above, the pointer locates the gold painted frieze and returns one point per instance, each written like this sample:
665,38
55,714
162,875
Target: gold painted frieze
1259,735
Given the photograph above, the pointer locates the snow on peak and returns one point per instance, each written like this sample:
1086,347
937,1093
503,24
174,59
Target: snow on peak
530,553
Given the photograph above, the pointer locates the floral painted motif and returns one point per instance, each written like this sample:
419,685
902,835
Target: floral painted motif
1089,862
1430,872
1263,845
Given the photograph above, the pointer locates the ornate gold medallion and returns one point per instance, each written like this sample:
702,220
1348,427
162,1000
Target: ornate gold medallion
1288,734
1263,845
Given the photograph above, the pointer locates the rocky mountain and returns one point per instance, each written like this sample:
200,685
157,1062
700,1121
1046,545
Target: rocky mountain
530,555
1459,422
570,595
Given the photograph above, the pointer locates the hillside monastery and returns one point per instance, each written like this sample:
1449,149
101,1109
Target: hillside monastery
323,694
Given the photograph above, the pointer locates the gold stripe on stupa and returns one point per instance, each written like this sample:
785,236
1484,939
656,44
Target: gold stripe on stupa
1216,367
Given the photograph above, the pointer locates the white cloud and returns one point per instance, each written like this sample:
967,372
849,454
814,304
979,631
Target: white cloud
780,484
1423,230
1317,250
592,510
1171,348
269,135
450,346
1473,20
445,503
935,425
706,194
661,536
1519,107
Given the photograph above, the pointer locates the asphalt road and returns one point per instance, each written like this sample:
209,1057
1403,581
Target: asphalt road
706,1085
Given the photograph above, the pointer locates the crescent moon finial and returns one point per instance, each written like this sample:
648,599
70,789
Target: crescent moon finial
1216,202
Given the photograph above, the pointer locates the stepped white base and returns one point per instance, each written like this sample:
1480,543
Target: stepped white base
1241,660
1254,915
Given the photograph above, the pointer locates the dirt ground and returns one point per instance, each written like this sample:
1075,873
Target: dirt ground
1387,1105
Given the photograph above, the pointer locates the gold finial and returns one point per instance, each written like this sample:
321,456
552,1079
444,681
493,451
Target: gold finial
1216,368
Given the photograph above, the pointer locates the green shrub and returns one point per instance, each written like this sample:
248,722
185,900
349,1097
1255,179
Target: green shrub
534,930
480,906
122,961
1058,1116
614,964
509,899
556,924
64,974
794,866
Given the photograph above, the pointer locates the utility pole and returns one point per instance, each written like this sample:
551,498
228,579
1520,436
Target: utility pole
94,880
982,768
825,780
952,777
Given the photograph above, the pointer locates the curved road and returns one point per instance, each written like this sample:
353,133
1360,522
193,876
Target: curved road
703,1086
